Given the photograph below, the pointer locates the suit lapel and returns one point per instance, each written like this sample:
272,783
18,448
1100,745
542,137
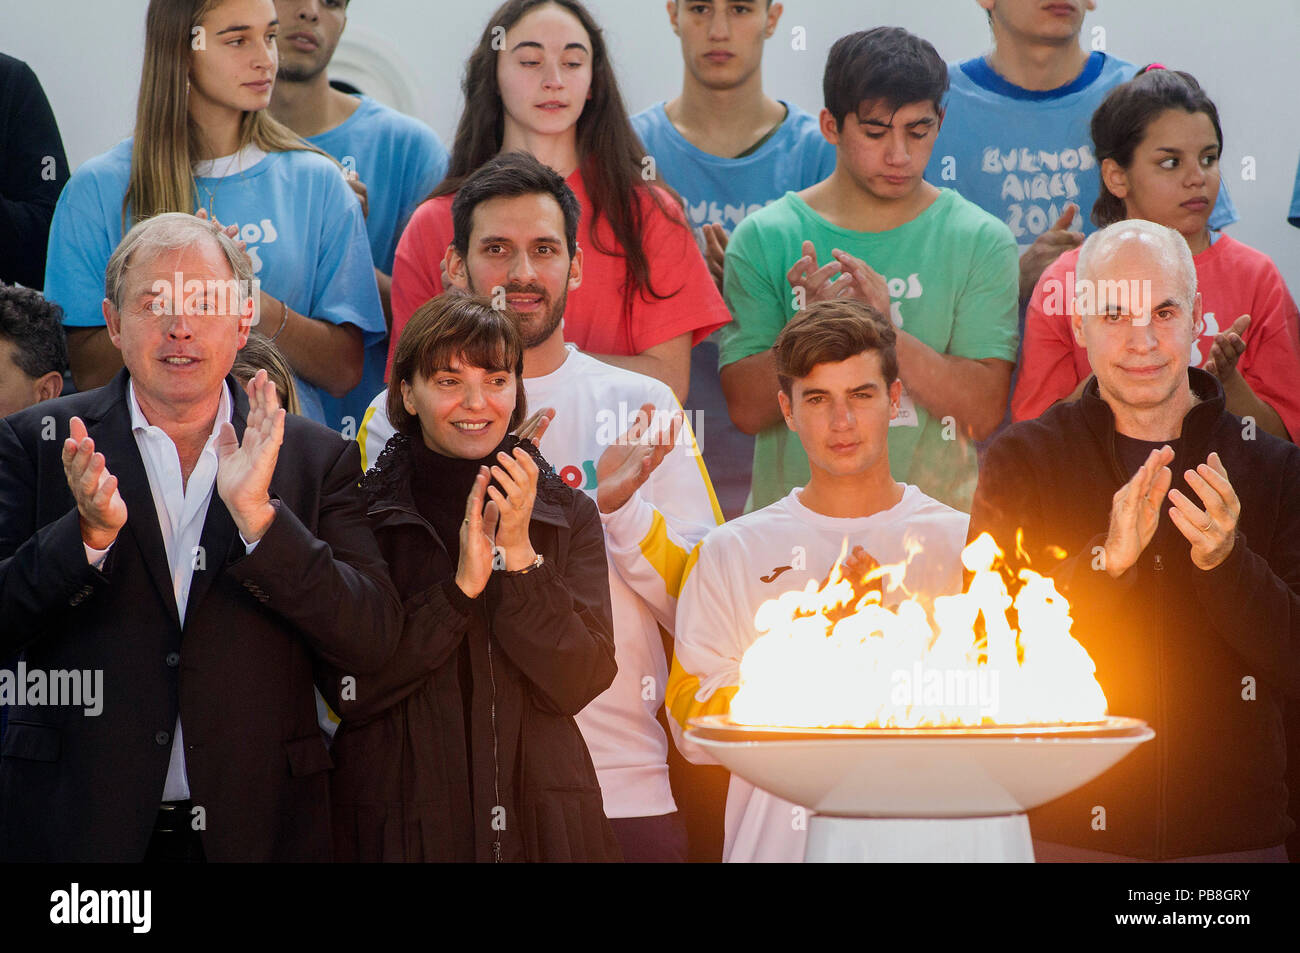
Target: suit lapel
114,439
219,533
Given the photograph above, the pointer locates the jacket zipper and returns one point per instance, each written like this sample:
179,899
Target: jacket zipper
1159,567
496,762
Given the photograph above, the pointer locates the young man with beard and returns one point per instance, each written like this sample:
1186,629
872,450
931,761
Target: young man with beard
393,160
620,437
941,268
1180,528
839,390
728,149
1015,131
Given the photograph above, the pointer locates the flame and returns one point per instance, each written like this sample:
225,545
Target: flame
834,656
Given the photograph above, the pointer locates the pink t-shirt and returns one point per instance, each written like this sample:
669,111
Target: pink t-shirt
1233,279
597,317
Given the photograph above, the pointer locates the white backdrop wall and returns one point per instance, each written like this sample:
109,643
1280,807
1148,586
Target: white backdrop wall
87,55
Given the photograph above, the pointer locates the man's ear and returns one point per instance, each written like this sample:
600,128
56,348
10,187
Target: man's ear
1076,326
113,321
246,320
787,409
48,386
895,398
829,126
575,268
774,17
672,16
456,268
1198,316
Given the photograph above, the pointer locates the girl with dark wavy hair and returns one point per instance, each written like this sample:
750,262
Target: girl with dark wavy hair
540,81
1158,141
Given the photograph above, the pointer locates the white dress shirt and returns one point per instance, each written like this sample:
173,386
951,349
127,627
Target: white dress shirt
182,508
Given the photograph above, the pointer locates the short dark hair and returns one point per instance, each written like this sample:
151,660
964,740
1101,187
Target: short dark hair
507,176
886,64
35,325
828,332
1121,121
451,326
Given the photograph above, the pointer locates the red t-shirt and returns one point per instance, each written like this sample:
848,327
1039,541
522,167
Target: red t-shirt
1233,279
596,318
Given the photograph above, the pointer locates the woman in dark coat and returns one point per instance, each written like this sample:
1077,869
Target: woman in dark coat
464,747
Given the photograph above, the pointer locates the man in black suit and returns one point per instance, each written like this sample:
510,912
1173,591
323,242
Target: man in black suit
201,551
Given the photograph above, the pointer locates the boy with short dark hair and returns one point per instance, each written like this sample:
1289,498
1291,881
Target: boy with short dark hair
941,268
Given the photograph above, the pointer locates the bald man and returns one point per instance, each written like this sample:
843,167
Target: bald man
1180,528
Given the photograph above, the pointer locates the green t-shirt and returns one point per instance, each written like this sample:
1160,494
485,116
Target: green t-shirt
954,281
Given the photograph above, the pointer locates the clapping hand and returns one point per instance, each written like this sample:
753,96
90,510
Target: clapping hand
232,231
1227,349
715,251
1213,530
1046,248
359,187
534,428
100,506
244,470
477,539
845,277
625,466
1135,512
516,474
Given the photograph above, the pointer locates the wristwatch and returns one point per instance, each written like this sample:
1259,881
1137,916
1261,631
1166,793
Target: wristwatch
535,564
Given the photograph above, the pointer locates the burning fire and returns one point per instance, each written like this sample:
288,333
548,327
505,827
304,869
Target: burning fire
829,657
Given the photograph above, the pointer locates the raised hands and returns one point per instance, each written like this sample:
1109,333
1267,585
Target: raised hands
1213,530
1227,349
1135,512
1046,248
354,182
534,428
845,277
517,476
715,250
100,506
625,466
477,538
857,567
232,231
244,470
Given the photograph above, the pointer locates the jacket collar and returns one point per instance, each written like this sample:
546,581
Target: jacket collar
1197,425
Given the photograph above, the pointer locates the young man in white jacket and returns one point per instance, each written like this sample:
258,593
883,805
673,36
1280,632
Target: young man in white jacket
619,436
838,374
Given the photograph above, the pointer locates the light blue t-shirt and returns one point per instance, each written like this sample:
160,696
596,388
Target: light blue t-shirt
723,191
302,223
400,160
1023,155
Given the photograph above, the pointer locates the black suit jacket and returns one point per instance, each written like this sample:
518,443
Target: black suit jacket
238,668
